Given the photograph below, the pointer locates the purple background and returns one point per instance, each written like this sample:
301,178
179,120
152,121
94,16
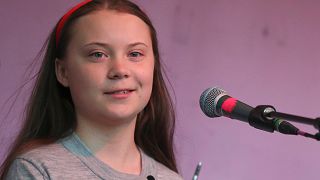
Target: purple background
259,51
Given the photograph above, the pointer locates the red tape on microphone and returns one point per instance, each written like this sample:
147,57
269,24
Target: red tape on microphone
229,104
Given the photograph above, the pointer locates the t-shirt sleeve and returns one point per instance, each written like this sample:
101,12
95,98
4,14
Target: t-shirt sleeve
26,170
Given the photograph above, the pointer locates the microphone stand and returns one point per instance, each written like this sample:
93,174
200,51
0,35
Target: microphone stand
266,118
299,119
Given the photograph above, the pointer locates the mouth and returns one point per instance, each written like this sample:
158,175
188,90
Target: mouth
123,91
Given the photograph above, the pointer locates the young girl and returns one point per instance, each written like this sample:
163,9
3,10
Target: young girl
99,108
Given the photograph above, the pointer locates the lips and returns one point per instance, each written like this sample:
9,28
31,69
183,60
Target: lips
120,91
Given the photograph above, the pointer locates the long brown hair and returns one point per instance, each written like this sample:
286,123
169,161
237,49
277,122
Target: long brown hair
49,113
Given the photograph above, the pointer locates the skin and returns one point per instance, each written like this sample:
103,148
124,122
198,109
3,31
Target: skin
109,69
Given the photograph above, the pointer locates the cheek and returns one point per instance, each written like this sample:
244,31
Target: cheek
147,77
83,82
147,74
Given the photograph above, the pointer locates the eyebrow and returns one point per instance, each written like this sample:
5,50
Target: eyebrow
106,45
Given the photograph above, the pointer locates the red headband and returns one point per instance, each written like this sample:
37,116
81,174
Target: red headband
66,17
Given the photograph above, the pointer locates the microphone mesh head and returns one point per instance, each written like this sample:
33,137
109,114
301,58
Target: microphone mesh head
208,101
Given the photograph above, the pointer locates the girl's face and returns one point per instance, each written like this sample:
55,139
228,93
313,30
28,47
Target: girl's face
108,67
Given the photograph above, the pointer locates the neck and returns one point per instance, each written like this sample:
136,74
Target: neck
113,145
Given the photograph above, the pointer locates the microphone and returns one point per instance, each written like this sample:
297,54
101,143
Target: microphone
150,177
215,102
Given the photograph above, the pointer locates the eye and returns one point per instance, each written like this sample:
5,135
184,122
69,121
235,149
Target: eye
135,54
98,55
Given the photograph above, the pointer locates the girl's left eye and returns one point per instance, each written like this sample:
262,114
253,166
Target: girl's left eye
135,54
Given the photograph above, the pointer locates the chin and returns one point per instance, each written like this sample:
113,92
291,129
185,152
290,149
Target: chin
120,117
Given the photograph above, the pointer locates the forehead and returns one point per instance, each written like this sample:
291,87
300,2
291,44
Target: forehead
110,26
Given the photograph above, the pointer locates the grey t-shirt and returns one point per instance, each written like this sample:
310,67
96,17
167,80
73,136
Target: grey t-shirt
69,158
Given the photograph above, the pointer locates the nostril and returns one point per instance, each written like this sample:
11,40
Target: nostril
118,70
118,75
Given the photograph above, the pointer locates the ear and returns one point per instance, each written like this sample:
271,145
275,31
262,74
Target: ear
61,72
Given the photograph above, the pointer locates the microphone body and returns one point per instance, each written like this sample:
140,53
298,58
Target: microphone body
232,108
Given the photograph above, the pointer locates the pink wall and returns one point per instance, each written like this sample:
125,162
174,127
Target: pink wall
260,51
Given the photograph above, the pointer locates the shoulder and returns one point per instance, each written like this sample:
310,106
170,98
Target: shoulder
54,152
166,173
33,163
43,162
25,169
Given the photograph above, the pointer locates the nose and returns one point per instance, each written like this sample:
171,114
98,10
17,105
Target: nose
118,69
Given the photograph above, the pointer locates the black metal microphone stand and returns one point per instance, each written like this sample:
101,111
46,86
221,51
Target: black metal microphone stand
266,118
299,119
